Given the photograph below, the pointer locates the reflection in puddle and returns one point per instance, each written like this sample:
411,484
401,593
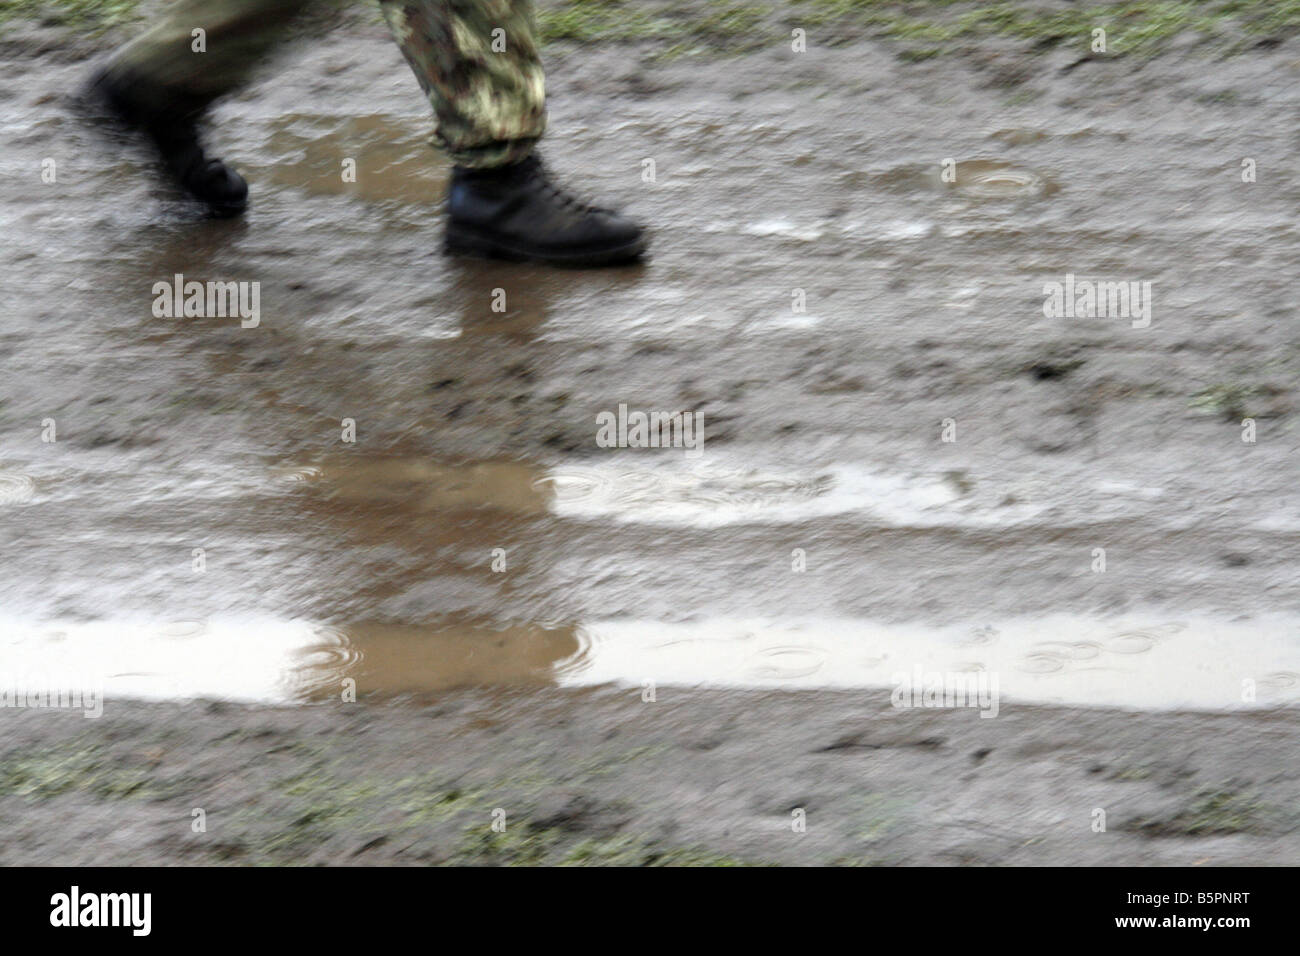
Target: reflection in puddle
393,659
418,622
719,490
691,493
713,493
236,658
1128,663
373,158
1060,659
422,485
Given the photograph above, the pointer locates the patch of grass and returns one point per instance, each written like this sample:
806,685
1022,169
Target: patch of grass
878,814
1209,813
515,846
590,21
335,807
918,54
49,773
1131,28
629,851
730,26
1219,812
331,809
609,760
531,846
1232,402
92,15
1129,774
924,30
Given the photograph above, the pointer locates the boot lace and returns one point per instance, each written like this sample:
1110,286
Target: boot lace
535,171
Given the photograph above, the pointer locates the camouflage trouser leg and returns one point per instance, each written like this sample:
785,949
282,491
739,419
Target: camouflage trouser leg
477,61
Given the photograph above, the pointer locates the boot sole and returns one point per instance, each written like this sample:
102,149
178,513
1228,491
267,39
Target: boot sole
464,241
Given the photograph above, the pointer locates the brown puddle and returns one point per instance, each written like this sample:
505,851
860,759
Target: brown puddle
418,485
371,158
405,659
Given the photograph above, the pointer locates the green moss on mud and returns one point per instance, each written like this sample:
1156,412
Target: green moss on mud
83,14
944,26
922,29
1231,402
42,774
531,846
1211,813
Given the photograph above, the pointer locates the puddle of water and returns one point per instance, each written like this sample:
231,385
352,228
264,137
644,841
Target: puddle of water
991,179
663,487
15,489
234,658
421,485
392,659
710,493
1128,662
784,229
701,493
369,157
976,178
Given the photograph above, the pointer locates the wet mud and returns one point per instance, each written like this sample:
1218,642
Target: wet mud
816,179
601,777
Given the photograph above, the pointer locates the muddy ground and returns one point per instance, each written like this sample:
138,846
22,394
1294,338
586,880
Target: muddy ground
600,776
775,171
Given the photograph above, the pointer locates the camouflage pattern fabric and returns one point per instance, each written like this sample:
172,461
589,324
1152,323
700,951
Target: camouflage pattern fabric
477,62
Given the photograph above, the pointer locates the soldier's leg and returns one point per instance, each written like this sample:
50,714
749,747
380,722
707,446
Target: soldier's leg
199,51
162,82
478,63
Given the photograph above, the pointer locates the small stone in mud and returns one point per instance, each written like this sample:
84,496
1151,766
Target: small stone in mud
1043,371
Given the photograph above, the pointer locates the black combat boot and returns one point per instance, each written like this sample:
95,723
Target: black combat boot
517,212
174,134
